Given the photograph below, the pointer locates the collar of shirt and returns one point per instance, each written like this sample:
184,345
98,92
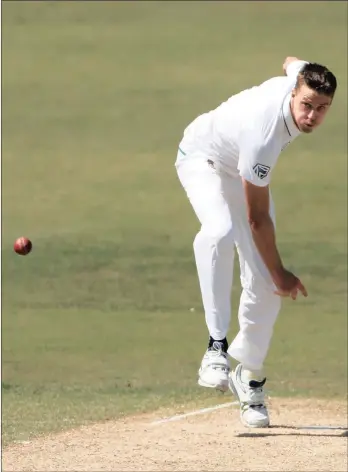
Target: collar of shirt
289,123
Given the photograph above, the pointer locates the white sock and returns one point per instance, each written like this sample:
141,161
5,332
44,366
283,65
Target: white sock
248,375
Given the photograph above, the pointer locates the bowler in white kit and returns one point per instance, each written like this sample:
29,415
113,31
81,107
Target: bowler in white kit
225,163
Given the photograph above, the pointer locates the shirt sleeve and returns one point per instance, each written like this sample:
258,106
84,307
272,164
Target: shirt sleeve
256,163
294,68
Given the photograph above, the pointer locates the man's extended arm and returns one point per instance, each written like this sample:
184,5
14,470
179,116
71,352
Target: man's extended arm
288,61
263,233
292,65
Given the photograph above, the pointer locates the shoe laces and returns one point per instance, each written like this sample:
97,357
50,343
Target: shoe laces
216,351
217,348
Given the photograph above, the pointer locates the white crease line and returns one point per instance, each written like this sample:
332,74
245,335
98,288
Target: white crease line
322,427
193,413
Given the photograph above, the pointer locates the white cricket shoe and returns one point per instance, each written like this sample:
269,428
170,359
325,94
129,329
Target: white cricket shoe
215,368
253,411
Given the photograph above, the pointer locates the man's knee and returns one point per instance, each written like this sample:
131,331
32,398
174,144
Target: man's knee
221,235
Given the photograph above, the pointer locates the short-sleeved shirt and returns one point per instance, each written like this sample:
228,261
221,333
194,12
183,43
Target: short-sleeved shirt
245,135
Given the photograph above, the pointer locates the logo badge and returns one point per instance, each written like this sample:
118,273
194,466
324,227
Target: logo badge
261,170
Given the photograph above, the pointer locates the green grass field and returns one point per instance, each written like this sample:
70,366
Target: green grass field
97,321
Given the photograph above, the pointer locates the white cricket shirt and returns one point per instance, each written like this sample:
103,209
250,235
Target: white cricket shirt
245,135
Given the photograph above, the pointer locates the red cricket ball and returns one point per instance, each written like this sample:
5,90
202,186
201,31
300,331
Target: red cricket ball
22,246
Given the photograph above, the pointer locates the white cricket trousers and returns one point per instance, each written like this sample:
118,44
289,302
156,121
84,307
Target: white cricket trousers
219,203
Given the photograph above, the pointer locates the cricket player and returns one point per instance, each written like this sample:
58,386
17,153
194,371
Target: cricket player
225,162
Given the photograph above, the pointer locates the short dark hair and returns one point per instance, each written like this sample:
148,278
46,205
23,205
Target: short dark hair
318,78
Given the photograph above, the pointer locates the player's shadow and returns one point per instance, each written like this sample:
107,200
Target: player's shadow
295,432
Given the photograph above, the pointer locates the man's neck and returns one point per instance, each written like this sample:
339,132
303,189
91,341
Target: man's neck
291,111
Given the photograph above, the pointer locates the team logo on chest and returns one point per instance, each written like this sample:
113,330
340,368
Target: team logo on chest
261,170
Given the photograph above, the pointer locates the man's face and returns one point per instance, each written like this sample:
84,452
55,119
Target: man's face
308,108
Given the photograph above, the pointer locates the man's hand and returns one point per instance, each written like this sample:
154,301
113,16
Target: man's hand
288,285
288,61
